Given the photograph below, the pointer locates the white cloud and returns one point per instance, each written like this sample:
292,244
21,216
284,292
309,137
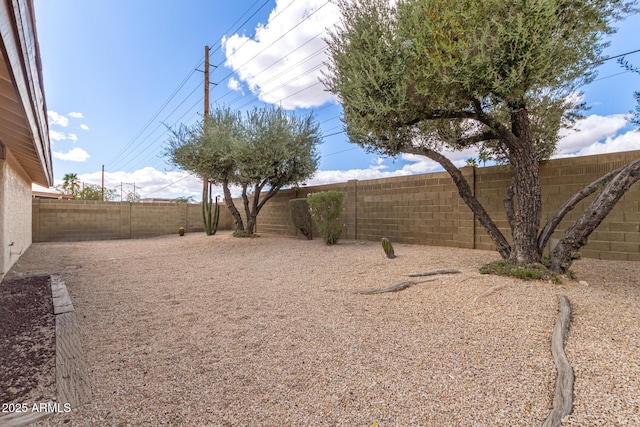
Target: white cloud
628,141
283,62
589,131
332,176
76,115
150,182
73,137
57,119
56,136
233,84
74,155
84,127
422,164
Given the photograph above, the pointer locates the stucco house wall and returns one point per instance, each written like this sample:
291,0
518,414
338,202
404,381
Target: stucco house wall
15,205
25,151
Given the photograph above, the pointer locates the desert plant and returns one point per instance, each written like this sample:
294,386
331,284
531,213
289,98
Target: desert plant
388,248
536,271
216,217
325,208
210,223
301,217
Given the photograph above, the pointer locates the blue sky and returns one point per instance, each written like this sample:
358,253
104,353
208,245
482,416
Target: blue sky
116,71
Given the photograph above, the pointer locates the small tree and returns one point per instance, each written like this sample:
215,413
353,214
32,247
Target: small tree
419,76
82,191
325,208
71,184
266,149
94,192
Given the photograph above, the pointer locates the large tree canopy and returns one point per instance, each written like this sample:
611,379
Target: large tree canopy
265,149
419,76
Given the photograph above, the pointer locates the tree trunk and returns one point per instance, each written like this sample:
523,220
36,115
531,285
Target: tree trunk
467,195
251,225
576,236
508,205
567,206
527,191
247,211
228,200
252,207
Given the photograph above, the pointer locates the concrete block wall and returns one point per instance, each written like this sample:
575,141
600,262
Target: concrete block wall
71,220
417,209
426,209
490,188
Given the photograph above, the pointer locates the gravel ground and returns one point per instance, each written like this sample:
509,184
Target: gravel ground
199,330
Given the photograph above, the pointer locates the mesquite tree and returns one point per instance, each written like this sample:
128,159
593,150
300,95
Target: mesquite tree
420,76
265,149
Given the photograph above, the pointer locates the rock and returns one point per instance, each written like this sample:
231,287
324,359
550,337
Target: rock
583,283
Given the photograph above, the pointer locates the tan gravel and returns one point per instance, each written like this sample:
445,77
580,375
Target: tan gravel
219,331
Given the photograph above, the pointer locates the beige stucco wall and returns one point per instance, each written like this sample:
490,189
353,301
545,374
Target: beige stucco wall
15,211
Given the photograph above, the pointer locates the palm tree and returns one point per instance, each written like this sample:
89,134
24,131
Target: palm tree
71,184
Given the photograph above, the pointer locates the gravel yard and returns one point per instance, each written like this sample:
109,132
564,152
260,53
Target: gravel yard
221,331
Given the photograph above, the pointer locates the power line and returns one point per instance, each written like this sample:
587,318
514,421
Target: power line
160,125
175,92
272,43
169,185
157,113
306,88
616,56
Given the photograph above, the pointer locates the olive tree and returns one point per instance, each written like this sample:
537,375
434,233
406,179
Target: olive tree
421,76
260,151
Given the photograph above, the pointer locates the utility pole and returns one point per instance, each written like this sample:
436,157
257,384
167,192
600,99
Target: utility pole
205,188
102,188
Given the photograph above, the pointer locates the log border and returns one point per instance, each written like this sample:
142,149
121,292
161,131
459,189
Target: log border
563,396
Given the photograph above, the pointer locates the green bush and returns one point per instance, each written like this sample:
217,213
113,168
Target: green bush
536,271
300,216
325,208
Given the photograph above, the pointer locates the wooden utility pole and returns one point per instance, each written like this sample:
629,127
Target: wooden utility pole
205,188
102,188
206,81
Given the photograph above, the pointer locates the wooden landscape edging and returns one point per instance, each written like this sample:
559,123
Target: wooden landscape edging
563,397
72,380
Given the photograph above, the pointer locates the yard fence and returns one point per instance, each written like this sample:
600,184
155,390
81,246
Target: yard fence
417,209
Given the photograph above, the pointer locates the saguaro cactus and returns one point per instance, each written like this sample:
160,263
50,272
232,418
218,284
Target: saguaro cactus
216,217
210,224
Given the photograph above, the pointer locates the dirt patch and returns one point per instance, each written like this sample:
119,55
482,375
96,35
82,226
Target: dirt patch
27,341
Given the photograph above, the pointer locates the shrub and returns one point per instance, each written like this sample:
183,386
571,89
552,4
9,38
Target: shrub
325,208
536,271
300,216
